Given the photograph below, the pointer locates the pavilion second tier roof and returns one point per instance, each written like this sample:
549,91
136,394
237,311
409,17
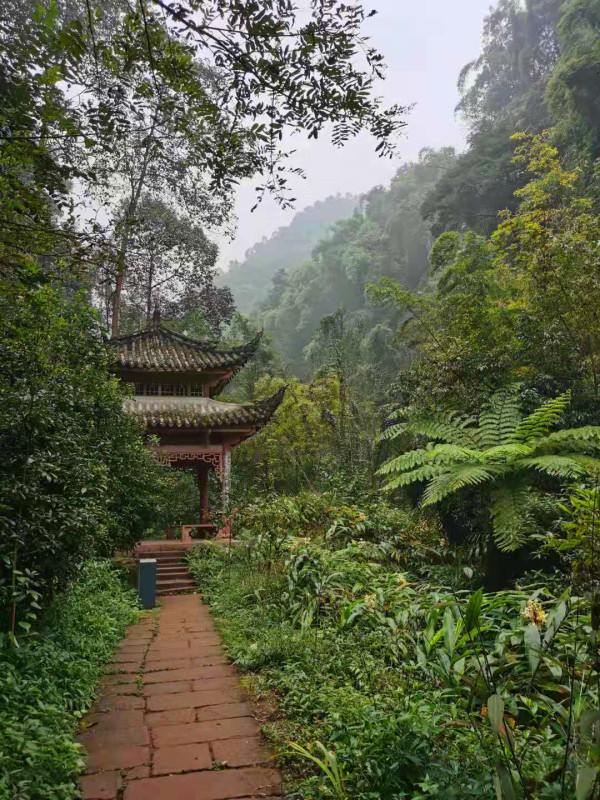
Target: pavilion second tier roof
201,413
158,349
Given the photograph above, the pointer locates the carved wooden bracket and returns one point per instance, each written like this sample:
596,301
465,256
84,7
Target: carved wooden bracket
171,457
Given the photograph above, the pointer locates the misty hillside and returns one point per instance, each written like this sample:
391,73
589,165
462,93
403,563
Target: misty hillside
288,247
385,237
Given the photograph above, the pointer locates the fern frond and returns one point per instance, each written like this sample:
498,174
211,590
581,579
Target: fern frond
398,413
556,466
441,430
453,454
537,424
392,432
511,518
499,420
425,473
585,440
590,465
506,452
433,454
406,461
458,478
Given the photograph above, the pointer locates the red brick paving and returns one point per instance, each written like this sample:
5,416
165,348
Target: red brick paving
206,785
171,722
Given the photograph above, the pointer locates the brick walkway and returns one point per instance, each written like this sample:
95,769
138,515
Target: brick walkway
171,722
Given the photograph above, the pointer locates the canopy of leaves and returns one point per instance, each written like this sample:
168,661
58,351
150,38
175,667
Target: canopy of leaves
181,101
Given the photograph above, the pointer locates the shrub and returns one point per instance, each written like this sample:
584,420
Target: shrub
77,481
49,681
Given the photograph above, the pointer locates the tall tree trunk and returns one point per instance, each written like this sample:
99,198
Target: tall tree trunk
126,235
149,291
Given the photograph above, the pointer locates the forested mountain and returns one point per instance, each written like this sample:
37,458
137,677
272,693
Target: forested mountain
289,246
536,71
385,237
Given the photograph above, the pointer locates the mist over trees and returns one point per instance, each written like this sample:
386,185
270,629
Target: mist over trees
250,280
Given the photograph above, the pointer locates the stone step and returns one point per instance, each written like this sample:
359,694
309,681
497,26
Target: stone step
175,569
165,555
162,579
180,585
177,576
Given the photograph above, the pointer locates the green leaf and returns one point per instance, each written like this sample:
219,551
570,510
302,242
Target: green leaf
586,778
506,782
510,516
450,630
455,478
556,466
538,424
554,621
497,422
533,645
473,610
506,452
495,707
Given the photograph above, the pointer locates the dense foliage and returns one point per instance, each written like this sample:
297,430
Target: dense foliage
503,454
76,478
48,682
355,622
108,104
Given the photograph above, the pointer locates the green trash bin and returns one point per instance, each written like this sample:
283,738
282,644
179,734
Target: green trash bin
147,582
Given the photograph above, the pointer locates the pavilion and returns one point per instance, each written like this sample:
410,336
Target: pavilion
175,381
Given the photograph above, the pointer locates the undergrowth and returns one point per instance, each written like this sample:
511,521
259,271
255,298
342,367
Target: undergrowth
411,683
49,680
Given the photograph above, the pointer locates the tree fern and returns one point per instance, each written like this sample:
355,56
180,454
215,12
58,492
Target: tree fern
392,432
424,473
406,461
504,451
438,454
457,478
453,453
584,440
442,430
556,465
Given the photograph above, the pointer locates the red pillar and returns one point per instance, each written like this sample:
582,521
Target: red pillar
202,480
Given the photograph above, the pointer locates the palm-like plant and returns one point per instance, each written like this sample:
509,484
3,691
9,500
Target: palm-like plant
502,449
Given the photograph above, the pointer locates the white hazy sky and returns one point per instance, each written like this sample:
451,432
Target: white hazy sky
425,44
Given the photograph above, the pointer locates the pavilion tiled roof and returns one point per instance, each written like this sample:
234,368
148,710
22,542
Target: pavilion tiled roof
201,412
158,349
